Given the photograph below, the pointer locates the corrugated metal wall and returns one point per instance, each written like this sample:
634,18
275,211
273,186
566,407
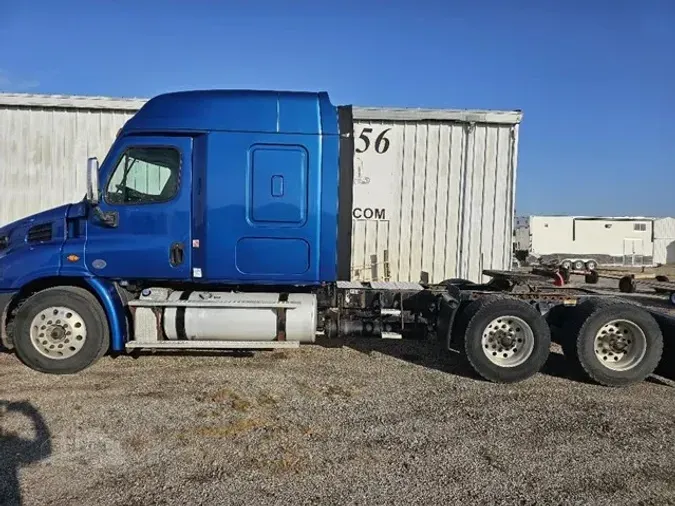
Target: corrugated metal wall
44,150
433,189
446,195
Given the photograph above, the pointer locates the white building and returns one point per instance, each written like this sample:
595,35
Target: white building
433,189
588,239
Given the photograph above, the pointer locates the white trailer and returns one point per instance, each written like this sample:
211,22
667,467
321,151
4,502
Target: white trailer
664,241
584,242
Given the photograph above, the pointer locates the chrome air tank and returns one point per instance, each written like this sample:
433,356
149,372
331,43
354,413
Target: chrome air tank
240,316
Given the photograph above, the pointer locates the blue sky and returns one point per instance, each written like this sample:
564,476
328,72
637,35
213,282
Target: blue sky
595,78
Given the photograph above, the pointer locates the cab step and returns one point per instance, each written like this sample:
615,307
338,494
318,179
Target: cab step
390,312
391,335
213,345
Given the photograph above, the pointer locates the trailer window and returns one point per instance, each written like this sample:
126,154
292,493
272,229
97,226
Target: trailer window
144,176
640,227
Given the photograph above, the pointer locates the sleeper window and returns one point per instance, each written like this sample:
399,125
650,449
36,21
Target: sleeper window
144,176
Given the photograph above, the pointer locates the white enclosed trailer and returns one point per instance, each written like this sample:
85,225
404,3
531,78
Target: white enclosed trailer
433,191
664,241
586,241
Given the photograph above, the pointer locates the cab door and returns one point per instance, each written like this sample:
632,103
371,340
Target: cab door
144,228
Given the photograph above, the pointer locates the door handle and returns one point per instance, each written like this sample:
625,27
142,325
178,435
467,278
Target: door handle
176,254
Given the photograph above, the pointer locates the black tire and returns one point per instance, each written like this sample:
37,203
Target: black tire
475,318
81,302
627,285
579,265
592,277
588,319
566,264
591,265
663,279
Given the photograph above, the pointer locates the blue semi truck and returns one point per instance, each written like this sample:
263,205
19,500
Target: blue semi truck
221,219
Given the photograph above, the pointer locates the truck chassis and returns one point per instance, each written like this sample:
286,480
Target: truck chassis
503,328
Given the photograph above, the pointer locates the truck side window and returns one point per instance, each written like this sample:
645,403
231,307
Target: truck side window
144,175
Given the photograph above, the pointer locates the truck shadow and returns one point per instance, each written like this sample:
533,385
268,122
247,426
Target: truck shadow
426,353
17,451
433,355
559,367
666,367
135,354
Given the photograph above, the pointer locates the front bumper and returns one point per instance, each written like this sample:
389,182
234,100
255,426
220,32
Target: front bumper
5,299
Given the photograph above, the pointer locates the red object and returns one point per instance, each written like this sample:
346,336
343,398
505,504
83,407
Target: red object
558,280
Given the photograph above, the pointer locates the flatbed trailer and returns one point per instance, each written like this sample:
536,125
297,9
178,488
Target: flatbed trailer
627,282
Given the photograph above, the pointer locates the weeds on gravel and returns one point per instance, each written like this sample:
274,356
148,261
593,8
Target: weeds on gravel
222,395
232,429
238,402
265,399
136,442
154,394
290,461
338,391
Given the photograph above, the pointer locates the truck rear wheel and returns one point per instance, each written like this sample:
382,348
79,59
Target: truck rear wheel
61,330
505,340
615,343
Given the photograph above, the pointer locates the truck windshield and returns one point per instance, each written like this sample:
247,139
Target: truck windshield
144,175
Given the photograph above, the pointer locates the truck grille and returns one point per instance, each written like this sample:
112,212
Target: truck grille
40,233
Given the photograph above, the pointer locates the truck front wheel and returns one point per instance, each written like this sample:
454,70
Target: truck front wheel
61,330
505,340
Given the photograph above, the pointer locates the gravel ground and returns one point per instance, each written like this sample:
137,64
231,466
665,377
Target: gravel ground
376,422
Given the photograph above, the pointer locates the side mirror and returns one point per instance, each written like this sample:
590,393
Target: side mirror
92,181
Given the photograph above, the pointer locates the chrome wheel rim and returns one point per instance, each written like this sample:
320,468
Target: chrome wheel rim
620,345
58,332
508,341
